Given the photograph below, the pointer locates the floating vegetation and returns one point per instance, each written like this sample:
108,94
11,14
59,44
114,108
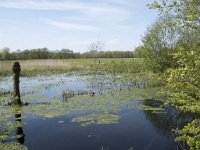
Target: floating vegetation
12,146
99,103
10,122
96,119
61,121
150,108
101,96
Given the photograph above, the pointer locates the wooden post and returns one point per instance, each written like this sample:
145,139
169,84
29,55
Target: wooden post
16,71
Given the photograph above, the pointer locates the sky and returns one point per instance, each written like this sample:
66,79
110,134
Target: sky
73,24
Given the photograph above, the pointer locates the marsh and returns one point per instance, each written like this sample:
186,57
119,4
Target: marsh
118,116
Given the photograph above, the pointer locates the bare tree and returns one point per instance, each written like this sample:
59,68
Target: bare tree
96,46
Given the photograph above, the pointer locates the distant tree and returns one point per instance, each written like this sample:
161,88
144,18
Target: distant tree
5,53
96,46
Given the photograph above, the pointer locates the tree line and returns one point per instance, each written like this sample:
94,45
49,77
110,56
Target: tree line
45,53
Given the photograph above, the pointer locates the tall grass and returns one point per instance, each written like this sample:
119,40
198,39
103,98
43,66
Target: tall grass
115,65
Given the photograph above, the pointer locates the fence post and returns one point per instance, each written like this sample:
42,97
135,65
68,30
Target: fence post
16,71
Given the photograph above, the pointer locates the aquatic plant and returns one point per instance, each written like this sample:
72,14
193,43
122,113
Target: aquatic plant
12,146
96,119
102,108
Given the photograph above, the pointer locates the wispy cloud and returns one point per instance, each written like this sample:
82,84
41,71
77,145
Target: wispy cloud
99,12
62,6
71,26
72,23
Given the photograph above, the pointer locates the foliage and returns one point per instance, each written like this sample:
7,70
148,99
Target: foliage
183,90
159,43
5,53
183,86
187,11
191,134
184,82
139,52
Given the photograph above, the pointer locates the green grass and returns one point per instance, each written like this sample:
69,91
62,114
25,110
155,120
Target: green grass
115,65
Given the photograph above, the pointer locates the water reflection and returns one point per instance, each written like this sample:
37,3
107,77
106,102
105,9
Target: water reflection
19,129
164,123
167,121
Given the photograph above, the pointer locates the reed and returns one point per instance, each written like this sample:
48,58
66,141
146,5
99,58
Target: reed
50,66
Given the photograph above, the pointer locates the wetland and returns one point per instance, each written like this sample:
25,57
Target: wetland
97,111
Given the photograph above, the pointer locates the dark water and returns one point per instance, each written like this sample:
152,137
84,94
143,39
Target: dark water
132,131
135,130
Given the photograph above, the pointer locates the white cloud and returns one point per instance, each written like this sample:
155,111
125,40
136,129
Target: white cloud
99,12
71,26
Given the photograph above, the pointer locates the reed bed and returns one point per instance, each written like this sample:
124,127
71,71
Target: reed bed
46,66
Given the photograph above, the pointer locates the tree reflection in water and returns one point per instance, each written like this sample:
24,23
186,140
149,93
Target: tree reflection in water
164,123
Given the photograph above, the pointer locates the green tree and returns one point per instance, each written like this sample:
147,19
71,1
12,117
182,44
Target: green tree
139,52
183,89
5,53
159,43
183,82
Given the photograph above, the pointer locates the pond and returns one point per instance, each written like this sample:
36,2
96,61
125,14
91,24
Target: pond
93,112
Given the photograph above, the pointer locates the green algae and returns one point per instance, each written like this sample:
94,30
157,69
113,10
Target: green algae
61,121
96,119
105,103
12,146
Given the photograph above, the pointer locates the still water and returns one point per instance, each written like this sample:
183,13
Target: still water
90,112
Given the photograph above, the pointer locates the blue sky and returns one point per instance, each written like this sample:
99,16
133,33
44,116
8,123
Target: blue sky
73,24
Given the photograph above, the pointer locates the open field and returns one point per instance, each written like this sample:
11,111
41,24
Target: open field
45,66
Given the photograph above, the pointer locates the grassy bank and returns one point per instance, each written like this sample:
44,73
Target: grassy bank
34,67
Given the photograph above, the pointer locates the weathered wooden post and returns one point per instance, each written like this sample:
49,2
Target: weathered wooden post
16,94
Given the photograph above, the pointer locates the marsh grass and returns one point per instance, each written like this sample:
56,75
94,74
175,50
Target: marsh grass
49,66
